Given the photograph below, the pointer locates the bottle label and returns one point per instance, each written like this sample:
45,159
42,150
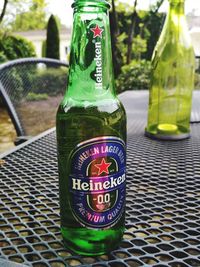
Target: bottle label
97,39
98,182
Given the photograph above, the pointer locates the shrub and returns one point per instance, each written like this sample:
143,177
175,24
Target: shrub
135,76
53,39
50,81
36,97
14,47
14,82
44,48
3,57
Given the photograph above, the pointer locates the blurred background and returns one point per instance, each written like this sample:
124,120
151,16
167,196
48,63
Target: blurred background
28,27
29,19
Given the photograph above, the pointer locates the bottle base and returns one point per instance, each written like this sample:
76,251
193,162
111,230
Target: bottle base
167,137
167,131
91,242
70,246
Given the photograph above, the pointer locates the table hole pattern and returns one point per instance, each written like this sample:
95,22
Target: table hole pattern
162,216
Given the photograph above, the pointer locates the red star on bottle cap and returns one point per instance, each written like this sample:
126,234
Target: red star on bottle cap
103,167
97,31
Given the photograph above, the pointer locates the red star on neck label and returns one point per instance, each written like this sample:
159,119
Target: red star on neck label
97,31
103,167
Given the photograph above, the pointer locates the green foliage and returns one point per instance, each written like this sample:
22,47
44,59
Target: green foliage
36,97
28,15
121,46
58,21
135,76
14,77
44,45
147,28
140,35
13,47
53,39
50,81
154,22
139,47
3,57
35,83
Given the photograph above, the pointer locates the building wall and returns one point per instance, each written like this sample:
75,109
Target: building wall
37,38
195,36
64,48
38,47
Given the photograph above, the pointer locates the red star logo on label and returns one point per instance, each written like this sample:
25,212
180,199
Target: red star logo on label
97,31
103,167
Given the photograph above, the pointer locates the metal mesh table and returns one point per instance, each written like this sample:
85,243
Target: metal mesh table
163,201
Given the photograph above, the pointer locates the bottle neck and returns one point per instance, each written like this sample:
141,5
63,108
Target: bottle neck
91,71
176,23
176,8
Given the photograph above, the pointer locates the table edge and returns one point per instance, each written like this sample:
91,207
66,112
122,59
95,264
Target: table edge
3,155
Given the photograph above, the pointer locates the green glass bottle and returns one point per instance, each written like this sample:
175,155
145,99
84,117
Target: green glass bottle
91,139
172,80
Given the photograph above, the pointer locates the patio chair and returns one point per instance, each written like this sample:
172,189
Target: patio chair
31,90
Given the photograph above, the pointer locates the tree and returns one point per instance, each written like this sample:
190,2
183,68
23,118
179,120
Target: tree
3,12
13,47
53,40
153,22
131,32
34,18
114,28
10,9
23,15
134,34
154,8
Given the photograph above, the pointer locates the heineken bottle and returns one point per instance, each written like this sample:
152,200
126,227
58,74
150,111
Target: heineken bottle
91,139
172,79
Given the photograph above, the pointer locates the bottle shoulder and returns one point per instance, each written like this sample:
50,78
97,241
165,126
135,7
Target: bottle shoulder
180,53
109,104
89,120
99,106
174,42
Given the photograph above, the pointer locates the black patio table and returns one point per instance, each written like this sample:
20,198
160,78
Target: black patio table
163,200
